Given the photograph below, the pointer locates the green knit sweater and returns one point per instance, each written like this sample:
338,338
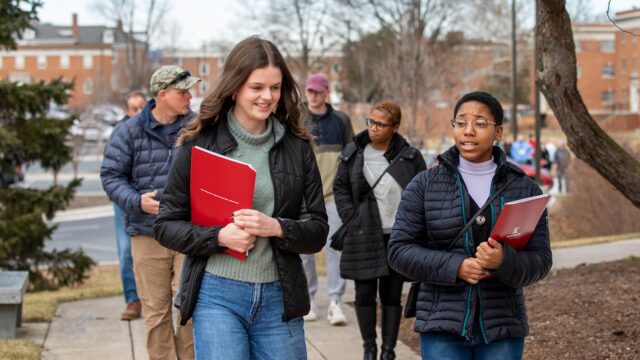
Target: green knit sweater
260,266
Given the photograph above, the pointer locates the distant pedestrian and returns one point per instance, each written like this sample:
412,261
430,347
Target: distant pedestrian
332,131
459,314
134,173
364,256
562,159
134,103
521,150
250,309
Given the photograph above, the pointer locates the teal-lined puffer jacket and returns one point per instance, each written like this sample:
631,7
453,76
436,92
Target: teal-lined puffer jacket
434,208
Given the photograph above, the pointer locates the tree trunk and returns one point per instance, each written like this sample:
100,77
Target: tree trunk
556,74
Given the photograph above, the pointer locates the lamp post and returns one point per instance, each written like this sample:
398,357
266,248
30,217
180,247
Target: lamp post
514,101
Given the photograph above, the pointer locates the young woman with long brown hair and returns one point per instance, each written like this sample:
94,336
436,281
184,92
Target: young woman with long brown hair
249,309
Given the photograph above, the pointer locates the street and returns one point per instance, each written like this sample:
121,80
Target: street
95,236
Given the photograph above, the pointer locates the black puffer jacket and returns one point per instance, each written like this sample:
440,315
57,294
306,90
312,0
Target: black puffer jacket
364,255
434,208
299,206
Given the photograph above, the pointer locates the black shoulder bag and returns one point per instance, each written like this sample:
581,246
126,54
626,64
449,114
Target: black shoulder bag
337,239
412,297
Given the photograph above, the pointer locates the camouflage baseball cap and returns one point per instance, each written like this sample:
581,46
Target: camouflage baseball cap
171,76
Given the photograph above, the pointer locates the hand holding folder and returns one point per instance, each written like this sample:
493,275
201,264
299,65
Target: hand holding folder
517,222
219,186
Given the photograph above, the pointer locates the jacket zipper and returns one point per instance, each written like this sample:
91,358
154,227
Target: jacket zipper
464,332
480,317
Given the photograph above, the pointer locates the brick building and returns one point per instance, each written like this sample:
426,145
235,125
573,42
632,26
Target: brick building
94,56
607,71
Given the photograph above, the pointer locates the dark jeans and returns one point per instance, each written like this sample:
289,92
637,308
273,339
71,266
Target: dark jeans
390,288
443,346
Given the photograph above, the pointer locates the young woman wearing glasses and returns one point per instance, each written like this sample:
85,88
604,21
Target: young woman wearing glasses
460,315
364,255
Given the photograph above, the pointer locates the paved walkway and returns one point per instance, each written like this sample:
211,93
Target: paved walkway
92,328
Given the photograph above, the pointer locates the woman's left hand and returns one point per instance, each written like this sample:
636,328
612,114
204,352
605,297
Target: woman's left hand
490,254
256,223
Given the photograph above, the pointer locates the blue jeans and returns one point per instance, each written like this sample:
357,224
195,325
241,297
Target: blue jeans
335,284
454,347
123,242
240,320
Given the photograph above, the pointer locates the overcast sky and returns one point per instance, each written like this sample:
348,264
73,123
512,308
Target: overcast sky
202,21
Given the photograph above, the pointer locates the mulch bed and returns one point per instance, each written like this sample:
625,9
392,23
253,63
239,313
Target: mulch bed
589,312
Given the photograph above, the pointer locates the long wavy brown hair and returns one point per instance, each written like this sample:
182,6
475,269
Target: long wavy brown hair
249,54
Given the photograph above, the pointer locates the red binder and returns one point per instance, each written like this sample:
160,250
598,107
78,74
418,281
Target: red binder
518,220
219,186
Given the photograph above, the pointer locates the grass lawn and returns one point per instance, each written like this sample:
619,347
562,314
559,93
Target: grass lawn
104,280
19,350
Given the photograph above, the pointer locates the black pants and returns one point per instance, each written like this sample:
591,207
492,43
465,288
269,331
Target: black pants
389,287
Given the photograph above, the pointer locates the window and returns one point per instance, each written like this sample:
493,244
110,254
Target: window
64,61
29,34
578,72
19,59
87,61
578,47
607,46
107,37
221,61
203,87
87,86
608,71
42,61
607,97
336,68
203,68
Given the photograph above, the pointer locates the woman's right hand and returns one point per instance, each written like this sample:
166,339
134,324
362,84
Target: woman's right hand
235,238
470,271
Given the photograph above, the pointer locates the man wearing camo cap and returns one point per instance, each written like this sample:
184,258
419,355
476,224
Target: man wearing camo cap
134,173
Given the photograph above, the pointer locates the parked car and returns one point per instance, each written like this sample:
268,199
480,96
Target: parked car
7,178
545,176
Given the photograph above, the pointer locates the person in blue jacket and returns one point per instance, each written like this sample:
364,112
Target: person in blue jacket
460,314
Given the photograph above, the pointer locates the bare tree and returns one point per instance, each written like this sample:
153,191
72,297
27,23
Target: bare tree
140,21
556,74
410,63
299,29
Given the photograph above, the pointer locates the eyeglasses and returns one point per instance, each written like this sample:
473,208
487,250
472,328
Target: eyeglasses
477,124
378,125
183,75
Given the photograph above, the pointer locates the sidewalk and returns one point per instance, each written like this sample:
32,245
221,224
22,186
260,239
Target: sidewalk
92,328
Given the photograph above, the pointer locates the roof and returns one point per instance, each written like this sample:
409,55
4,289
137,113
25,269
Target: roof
87,35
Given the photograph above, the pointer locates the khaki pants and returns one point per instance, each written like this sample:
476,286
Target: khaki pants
157,270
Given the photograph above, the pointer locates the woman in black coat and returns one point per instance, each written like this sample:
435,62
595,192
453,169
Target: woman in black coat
460,314
364,257
252,308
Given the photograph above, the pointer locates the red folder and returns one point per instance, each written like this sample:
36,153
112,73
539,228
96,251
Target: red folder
219,186
518,220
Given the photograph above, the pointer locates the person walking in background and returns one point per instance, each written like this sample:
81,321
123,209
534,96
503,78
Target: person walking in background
562,159
364,255
250,309
521,150
134,173
134,103
459,313
332,131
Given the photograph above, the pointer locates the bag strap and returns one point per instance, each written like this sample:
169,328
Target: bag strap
473,218
371,190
